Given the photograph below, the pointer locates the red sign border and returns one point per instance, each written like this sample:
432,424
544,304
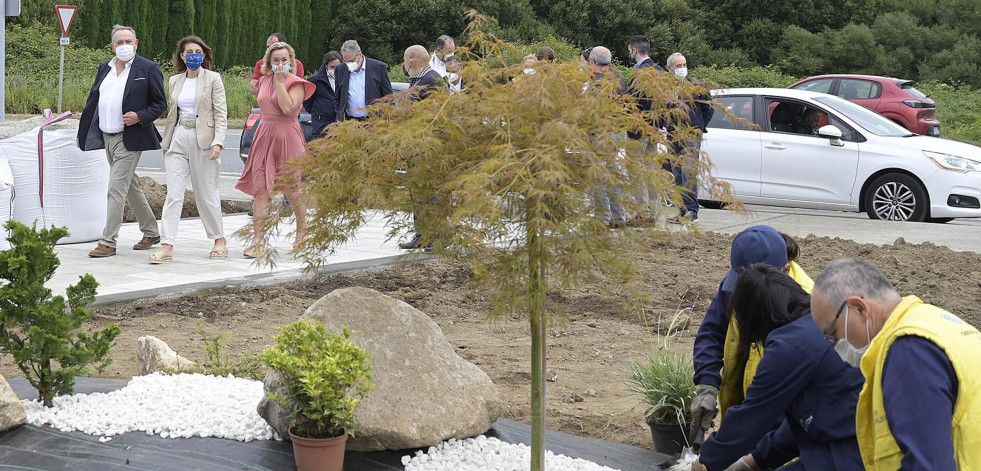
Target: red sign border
64,29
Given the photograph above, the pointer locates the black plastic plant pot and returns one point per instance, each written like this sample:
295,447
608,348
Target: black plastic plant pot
669,438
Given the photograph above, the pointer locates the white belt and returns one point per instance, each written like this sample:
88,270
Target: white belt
188,123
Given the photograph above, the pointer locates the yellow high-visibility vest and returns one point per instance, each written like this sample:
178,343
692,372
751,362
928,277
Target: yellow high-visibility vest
962,344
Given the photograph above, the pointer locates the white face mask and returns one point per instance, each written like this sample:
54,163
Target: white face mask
125,52
528,71
330,73
353,65
452,78
848,353
681,72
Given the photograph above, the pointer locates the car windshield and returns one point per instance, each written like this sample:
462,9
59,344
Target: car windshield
909,88
868,120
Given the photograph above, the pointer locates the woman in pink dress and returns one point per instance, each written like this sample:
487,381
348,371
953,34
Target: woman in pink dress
278,140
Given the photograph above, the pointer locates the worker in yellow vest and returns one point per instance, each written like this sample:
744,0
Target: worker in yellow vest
721,374
920,408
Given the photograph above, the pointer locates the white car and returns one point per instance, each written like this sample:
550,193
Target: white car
849,159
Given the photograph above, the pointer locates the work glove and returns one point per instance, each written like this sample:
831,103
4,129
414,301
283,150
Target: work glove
703,410
741,465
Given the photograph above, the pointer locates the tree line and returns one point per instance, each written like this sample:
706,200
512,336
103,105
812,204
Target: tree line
916,39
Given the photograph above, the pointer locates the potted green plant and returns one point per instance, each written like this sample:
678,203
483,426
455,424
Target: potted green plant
661,382
327,376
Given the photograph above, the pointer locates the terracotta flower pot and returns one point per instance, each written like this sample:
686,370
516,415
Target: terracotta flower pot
319,454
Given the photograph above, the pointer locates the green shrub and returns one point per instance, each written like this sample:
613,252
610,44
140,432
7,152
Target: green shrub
958,110
737,77
39,331
661,383
327,376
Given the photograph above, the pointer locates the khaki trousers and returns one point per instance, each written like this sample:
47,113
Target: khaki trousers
124,186
183,160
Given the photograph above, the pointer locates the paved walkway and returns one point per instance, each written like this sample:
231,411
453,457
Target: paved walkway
128,275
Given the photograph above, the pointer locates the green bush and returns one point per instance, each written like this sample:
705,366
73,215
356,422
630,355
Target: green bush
39,331
327,376
738,77
958,110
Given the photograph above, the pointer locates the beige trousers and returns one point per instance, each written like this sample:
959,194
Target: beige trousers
124,186
184,159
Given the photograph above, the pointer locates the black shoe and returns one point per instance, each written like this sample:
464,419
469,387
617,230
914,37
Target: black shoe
414,243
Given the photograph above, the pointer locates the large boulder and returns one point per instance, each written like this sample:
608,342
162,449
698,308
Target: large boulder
154,354
425,393
11,410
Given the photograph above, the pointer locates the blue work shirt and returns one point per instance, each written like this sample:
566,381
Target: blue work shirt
355,94
802,381
919,390
710,340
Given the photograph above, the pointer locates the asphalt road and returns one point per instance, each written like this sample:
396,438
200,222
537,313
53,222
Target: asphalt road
230,160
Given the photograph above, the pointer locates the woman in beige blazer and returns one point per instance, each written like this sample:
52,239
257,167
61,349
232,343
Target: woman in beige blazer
192,144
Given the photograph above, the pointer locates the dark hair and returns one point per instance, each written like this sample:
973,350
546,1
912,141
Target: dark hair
765,298
179,64
331,56
793,250
280,37
442,41
585,53
640,43
545,53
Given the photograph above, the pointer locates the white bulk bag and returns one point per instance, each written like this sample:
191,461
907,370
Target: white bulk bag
58,184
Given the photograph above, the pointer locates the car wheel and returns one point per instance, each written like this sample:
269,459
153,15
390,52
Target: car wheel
939,220
896,197
711,204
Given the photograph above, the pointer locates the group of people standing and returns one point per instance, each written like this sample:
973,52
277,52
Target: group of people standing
838,373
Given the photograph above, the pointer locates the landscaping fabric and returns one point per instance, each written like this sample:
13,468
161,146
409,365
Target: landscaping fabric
44,449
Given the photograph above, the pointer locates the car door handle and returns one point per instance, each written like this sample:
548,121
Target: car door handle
775,146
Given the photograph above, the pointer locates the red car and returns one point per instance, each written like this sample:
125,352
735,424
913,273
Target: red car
893,98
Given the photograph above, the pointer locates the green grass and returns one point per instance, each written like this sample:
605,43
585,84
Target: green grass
661,383
958,110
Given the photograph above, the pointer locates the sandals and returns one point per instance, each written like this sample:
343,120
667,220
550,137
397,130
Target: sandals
255,251
159,257
218,253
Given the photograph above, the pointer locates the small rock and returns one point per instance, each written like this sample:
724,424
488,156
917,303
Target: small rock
577,398
592,324
12,412
154,354
591,392
899,241
551,376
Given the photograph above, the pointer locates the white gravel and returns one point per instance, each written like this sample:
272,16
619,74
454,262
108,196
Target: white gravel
171,406
489,454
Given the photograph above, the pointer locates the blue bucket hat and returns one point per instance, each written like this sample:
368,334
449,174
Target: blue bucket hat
757,244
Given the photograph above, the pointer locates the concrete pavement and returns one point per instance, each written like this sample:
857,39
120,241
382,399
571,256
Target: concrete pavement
128,275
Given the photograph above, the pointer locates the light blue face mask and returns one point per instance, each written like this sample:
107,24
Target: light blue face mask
287,68
848,353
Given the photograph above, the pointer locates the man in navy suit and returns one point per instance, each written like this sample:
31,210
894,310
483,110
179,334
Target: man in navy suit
127,96
360,82
639,48
322,105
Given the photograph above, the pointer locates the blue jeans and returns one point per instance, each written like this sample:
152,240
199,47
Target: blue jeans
685,173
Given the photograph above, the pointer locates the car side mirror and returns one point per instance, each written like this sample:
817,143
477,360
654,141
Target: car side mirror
831,133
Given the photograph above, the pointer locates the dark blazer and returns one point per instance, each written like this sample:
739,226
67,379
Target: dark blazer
322,104
426,84
700,110
144,94
376,85
644,104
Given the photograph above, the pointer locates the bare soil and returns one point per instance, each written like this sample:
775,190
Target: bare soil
156,194
589,347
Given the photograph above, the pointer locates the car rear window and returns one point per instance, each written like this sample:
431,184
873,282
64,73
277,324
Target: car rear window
909,88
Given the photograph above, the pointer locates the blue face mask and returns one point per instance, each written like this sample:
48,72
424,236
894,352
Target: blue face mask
194,61
286,68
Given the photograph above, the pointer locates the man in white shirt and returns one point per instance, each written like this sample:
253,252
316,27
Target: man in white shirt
359,82
444,47
127,96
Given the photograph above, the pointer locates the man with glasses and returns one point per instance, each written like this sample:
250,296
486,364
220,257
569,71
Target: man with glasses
920,408
360,81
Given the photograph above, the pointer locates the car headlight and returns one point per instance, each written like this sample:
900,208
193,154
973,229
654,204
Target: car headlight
953,162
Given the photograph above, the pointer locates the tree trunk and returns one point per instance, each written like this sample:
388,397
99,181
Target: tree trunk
536,309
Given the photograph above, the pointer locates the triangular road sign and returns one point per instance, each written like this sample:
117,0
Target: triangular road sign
66,13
